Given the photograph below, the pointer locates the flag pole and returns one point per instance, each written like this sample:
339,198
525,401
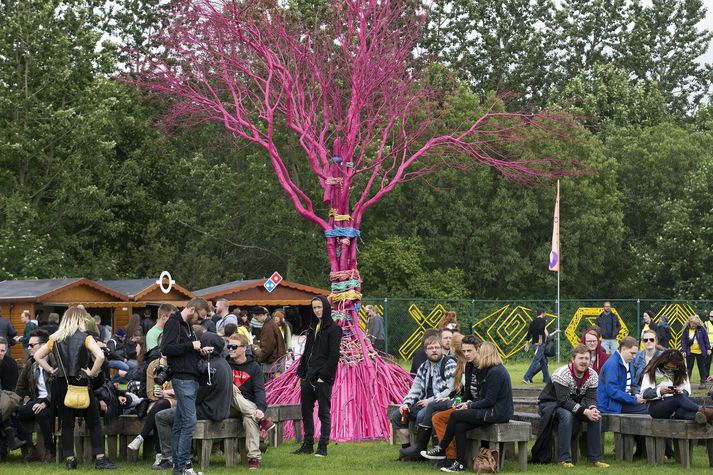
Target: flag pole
558,317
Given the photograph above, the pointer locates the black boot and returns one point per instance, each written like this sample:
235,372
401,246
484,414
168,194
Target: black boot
12,442
421,442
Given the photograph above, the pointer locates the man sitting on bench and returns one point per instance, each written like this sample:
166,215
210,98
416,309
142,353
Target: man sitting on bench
434,379
569,399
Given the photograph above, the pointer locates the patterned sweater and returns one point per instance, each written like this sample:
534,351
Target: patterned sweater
442,384
564,390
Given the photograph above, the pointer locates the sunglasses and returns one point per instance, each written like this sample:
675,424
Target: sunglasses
235,347
32,345
647,340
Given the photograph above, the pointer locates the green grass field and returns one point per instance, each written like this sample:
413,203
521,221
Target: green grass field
371,458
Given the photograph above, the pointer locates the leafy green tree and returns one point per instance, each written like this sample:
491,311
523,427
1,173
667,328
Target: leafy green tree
494,45
663,45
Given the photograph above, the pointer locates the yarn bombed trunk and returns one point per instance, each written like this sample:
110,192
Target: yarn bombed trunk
366,382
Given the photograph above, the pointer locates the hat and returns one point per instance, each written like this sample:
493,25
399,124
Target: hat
259,311
120,332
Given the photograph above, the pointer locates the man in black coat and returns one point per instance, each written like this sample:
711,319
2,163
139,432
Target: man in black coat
317,370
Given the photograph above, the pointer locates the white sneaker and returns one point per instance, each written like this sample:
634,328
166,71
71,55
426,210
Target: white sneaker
159,459
136,443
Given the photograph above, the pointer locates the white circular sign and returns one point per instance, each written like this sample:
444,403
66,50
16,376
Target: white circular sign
165,275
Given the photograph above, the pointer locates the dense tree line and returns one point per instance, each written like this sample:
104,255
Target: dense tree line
91,186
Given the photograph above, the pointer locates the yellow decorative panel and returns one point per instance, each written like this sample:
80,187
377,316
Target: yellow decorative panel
586,317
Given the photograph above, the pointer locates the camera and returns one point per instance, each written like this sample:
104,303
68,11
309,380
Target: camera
162,373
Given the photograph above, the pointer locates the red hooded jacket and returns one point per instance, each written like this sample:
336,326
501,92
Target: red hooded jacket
601,355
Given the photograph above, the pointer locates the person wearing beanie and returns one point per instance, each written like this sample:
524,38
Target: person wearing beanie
317,371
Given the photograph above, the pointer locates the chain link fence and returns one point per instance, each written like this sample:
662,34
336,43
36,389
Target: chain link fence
505,322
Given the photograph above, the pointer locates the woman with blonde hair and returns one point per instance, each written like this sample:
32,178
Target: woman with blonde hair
73,350
696,346
494,406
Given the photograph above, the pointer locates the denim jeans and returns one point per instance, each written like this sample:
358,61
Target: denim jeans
426,415
123,366
416,413
678,406
569,423
610,346
184,422
539,363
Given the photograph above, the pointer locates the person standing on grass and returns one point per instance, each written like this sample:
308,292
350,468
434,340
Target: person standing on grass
317,371
610,327
696,346
537,333
73,350
495,406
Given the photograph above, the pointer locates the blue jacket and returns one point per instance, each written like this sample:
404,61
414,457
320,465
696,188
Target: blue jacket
611,394
638,364
609,325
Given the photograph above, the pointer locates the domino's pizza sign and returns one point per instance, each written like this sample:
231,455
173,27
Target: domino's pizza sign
271,283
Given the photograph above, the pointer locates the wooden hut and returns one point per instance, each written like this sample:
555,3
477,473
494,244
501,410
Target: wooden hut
249,293
145,293
45,296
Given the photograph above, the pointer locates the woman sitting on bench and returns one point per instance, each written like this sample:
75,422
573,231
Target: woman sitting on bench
495,406
666,386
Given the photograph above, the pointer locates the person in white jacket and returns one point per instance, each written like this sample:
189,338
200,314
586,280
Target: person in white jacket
666,387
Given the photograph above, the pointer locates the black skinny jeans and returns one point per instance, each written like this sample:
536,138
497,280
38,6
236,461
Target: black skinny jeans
321,393
700,360
150,421
66,416
458,426
26,414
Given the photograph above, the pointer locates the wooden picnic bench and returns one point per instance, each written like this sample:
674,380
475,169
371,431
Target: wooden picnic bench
498,435
280,414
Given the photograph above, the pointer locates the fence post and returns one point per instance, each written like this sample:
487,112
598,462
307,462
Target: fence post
386,326
471,331
638,318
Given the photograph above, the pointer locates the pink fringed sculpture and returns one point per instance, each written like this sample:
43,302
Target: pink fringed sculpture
348,89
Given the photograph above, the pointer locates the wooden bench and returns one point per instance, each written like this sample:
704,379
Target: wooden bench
281,413
229,431
130,426
655,432
82,443
392,408
515,432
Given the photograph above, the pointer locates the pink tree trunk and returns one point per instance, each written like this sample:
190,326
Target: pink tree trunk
366,383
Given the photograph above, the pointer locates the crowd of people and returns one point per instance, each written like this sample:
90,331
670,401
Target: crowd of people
179,366
206,362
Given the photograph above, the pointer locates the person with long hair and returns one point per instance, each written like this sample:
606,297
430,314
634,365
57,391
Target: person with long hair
284,326
667,388
696,346
73,350
597,356
647,324
643,357
317,371
494,406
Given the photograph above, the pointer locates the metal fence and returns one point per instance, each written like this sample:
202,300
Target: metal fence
505,322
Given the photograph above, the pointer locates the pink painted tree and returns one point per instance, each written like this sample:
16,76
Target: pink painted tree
348,88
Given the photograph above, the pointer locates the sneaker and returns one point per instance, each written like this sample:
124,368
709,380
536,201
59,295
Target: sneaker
71,463
266,424
436,453
444,463
526,381
104,464
253,464
600,464
456,466
164,464
136,443
566,464
321,451
304,449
